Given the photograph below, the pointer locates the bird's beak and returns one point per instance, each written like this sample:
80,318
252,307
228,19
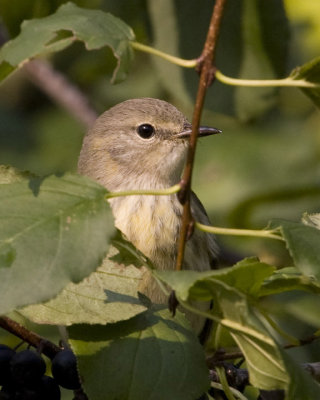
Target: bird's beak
203,131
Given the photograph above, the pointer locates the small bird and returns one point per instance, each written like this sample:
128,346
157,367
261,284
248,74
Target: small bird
142,144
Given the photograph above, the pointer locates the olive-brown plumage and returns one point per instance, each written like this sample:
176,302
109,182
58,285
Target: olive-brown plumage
142,144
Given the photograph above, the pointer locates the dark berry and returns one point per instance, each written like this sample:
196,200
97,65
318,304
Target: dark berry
27,368
49,389
6,355
23,393
64,370
271,395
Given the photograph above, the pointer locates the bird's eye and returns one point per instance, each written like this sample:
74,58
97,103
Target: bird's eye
146,131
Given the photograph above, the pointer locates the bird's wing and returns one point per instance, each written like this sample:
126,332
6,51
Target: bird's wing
199,214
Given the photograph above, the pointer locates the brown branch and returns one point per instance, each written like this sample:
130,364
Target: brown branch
313,369
206,78
61,90
221,356
302,342
48,348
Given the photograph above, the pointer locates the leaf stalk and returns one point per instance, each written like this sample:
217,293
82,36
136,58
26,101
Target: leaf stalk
269,234
174,60
161,192
286,82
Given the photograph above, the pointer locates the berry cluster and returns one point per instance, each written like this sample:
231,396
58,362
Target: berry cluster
22,375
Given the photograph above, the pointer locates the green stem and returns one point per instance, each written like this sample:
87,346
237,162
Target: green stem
289,82
236,392
174,60
210,397
286,82
162,286
270,234
223,379
231,325
160,192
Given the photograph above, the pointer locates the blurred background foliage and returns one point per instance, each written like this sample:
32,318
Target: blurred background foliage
265,165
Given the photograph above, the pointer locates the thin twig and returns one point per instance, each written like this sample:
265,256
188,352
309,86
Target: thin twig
207,57
48,348
302,342
220,356
61,90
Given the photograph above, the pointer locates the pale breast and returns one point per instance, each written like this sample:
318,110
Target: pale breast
152,224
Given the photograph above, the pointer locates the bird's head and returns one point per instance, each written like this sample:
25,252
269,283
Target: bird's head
137,144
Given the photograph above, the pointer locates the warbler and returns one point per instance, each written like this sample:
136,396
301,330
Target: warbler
142,144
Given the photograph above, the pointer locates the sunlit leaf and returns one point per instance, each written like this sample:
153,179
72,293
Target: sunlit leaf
54,33
303,242
10,174
287,279
54,231
268,365
312,220
247,276
108,295
310,72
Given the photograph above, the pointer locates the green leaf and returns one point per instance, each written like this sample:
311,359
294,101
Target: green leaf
262,355
303,243
268,365
311,220
152,357
127,254
54,33
302,386
309,72
287,279
10,174
54,231
247,276
305,308
7,255
108,295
